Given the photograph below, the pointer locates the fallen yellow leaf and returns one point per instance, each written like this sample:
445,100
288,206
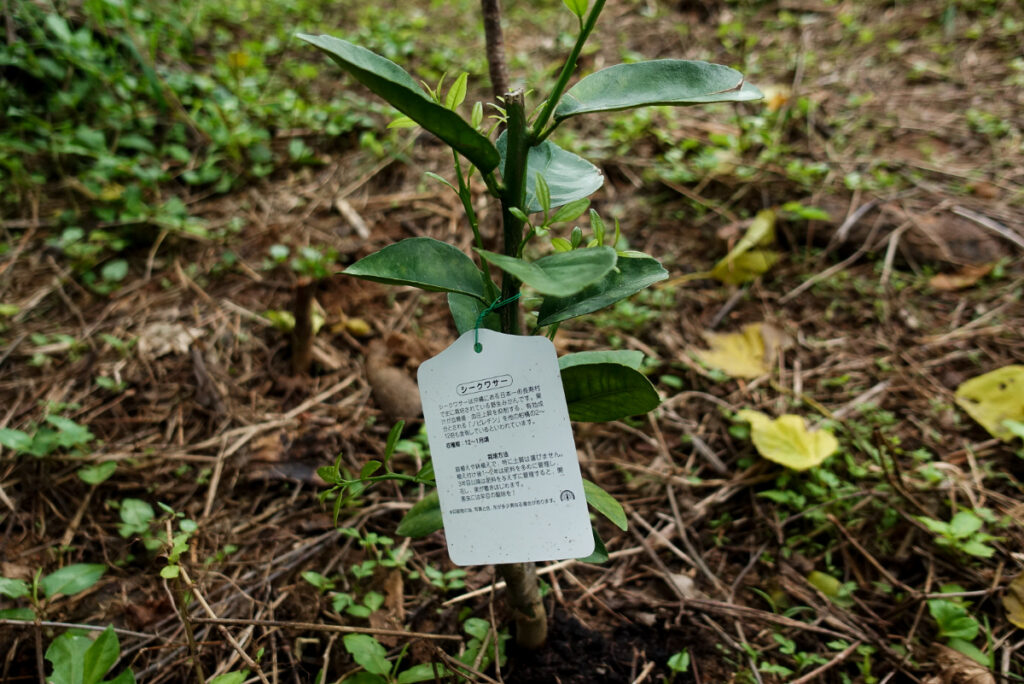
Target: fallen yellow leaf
749,258
993,398
739,355
1013,601
787,441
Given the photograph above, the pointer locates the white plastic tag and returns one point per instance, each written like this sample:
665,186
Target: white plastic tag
504,456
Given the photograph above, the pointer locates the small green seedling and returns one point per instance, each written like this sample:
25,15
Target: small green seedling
78,659
311,266
57,435
957,627
42,590
538,185
962,533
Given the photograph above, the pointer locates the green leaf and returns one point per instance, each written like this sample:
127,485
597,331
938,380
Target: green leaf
600,554
114,271
561,244
457,93
577,7
953,619
658,82
101,656
421,262
70,434
369,468
631,275
67,655
393,436
72,579
570,212
605,504
625,357
424,672
15,440
679,662
231,678
136,515
170,571
17,614
368,652
94,475
964,524
423,518
978,549
465,310
569,177
971,651
560,274
394,84
13,588
543,192
607,391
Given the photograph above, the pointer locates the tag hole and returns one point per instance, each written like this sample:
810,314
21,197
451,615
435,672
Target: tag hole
478,347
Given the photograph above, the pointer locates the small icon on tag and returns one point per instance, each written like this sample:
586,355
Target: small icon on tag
567,495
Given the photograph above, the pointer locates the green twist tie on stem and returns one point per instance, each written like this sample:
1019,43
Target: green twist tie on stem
495,305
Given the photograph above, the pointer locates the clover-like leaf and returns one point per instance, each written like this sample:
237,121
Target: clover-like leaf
994,398
787,441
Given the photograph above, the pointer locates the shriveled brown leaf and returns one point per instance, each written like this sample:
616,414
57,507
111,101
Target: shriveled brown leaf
964,278
957,668
1013,601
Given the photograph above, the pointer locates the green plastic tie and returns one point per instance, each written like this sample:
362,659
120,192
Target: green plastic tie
495,305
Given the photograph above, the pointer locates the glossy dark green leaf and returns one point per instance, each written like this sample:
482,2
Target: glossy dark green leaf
605,504
631,275
561,274
658,82
607,391
624,357
465,310
600,554
394,84
423,518
421,262
569,177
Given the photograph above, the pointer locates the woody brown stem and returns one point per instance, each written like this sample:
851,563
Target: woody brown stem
525,601
302,335
495,46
